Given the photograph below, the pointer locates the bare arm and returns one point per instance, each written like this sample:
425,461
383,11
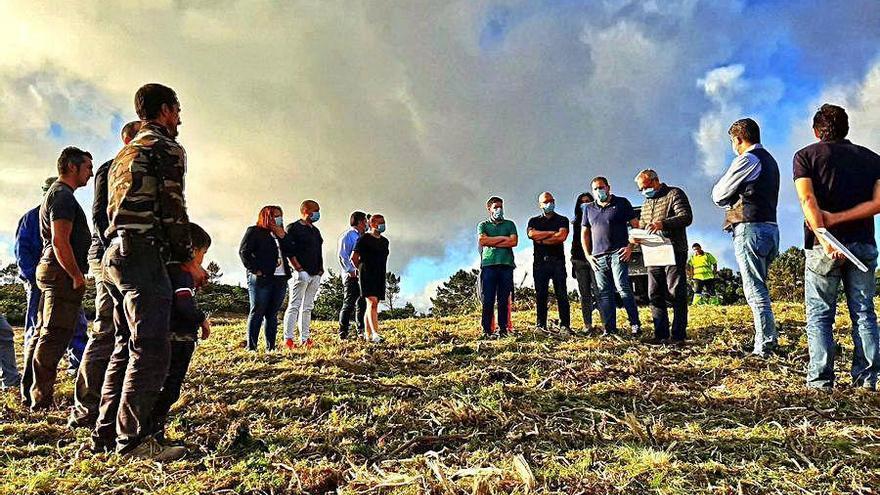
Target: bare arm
295,264
64,252
862,210
557,237
539,235
812,213
508,241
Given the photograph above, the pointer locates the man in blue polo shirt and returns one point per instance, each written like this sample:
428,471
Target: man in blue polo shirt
605,238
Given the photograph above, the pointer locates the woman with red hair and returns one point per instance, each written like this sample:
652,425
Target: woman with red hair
264,251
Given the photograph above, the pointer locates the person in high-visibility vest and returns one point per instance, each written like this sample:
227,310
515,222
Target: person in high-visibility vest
702,267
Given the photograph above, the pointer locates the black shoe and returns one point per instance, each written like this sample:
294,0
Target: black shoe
101,446
503,334
606,333
657,341
678,342
74,422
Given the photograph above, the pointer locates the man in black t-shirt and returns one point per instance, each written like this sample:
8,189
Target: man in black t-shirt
60,276
308,262
838,184
548,232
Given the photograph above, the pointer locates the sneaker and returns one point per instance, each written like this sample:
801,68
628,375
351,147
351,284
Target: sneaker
657,341
502,334
290,344
150,449
607,333
376,338
308,343
74,422
565,331
635,330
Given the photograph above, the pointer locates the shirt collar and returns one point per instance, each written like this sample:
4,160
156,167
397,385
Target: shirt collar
156,127
756,146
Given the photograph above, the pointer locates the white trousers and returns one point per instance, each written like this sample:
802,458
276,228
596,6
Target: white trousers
302,291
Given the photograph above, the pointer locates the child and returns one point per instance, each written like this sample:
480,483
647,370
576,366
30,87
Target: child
186,319
370,256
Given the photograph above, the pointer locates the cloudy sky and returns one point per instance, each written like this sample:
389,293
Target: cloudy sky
422,109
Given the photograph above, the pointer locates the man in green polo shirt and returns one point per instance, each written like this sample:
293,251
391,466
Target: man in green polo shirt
702,267
496,237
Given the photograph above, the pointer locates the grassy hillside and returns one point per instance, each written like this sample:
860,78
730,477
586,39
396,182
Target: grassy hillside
433,410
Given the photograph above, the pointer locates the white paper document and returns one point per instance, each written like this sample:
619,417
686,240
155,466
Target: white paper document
822,231
658,253
644,235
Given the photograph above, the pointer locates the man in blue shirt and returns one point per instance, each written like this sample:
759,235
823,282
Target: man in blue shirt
605,238
352,292
28,249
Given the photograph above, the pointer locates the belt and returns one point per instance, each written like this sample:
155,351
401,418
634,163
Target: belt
549,258
142,239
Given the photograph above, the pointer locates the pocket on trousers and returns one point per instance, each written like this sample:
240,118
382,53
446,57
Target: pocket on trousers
821,264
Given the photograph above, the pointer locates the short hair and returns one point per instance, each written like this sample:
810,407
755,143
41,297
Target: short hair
831,122
648,173
264,218
494,199
200,239
375,216
149,99
308,204
48,183
130,129
697,244
356,217
746,129
71,156
599,178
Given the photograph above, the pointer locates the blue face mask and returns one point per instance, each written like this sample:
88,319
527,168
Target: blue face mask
380,228
601,194
315,216
649,192
549,208
279,221
498,214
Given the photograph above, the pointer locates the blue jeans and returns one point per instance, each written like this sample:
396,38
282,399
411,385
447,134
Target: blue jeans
756,245
496,283
822,278
80,334
266,295
613,273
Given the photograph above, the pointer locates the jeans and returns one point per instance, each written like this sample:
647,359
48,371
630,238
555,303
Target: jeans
756,245
266,295
669,283
80,333
587,289
96,357
496,283
9,376
303,291
544,271
613,273
822,278
141,291
352,304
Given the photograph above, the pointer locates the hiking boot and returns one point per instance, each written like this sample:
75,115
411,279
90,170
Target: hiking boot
151,450
290,344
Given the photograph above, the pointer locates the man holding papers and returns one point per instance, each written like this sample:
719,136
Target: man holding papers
838,184
667,212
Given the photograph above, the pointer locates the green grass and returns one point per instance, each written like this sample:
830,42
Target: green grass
433,410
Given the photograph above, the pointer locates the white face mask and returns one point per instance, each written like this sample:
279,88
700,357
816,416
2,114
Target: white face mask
733,146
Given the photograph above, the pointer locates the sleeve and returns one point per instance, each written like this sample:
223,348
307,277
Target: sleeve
171,169
531,223
185,306
28,245
562,223
293,245
346,246
481,228
359,245
682,215
511,228
585,220
800,166
246,250
628,210
711,259
99,205
62,207
287,246
744,168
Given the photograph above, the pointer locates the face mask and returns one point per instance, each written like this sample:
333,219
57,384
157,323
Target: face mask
315,216
498,214
279,221
601,194
381,228
649,192
733,147
549,208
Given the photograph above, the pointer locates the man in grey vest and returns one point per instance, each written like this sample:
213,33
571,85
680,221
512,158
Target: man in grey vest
749,190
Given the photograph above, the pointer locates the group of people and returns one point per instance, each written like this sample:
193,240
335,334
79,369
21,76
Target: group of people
838,184
289,260
146,257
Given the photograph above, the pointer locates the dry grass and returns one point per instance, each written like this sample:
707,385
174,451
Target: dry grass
433,410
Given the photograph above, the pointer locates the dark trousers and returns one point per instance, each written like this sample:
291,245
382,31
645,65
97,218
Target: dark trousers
496,283
139,364
181,355
96,357
266,296
544,271
665,284
587,289
705,287
350,300
77,342
59,309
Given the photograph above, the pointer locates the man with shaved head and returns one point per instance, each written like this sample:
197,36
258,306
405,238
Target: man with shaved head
308,262
90,376
548,232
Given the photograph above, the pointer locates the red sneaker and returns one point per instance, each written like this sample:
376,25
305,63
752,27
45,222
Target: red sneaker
309,343
290,344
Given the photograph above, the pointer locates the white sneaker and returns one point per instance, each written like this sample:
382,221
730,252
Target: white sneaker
376,338
150,449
